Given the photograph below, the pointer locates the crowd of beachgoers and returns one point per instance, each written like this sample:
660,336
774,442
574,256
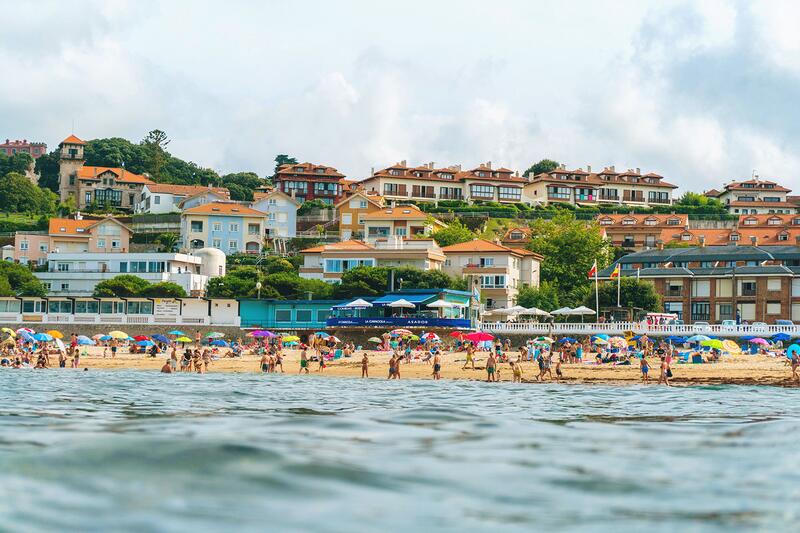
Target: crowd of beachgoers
655,357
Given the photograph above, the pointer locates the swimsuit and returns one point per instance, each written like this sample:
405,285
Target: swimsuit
265,367
437,367
490,370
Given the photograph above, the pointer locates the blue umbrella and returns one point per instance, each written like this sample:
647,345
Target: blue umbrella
218,342
177,332
791,350
675,339
322,334
43,337
146,343
83,340
780,337
568,339
600,336
698,338
106,338
27,337
160,338
747,338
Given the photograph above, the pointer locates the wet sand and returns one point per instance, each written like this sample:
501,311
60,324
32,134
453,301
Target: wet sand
732,369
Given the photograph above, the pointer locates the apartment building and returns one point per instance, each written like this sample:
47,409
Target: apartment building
638,232
230,227
498,271
755,197
584,187
517,237
351,211
398,221
160,198
72,235
281,213
309,181
759,230
428,184
714,283
34,149
88,185
328,262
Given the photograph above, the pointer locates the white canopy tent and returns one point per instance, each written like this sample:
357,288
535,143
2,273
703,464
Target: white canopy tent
582,310
561,311
441,304
401,303
357,304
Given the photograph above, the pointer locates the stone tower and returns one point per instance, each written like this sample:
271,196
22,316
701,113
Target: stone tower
71,160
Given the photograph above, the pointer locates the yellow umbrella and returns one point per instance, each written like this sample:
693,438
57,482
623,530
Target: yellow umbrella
183,339
10,332
55,334
730,346
118,334
291,338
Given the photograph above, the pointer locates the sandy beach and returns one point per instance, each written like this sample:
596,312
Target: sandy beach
732,369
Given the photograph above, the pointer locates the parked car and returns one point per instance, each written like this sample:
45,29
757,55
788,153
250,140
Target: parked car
782,322
728,325
758,326
701,326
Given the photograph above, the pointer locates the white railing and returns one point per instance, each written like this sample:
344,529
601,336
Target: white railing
619,328
9,318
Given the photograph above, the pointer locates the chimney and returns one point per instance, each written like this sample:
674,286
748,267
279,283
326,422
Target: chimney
611,168
660,244
403,162
430,165
754,240
78,215
589,169
393,204
372,171
562,166
702,241
638,170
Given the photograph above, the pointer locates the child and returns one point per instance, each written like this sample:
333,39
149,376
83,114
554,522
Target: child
517,371
558,370
645,367
365,366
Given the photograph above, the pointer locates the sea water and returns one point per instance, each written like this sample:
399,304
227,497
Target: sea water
142,451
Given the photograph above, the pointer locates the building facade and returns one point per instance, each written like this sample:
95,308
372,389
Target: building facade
328,262
714,283
281,214
755,197
72,235
101,186
230,227
309,181
638,232
34,149
497,271
351,211
160,198
400,221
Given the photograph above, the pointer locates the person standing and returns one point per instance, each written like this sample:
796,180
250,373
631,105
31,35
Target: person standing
490,367
437,366
645,368
795,365
665,372
303,361
365,366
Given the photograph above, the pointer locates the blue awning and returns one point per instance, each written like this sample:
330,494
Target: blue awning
413,298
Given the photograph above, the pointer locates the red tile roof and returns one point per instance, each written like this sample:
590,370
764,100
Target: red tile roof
481,245
124,176
72,140
223,208
186,190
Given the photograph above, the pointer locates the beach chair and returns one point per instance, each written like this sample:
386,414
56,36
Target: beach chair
697,359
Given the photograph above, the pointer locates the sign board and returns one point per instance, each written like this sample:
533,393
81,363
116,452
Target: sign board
164,307
421,322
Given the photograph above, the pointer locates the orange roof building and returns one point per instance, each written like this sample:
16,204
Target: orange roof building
755,197
228,226
310,181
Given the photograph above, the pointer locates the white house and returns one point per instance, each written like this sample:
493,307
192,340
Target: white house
160,198
281,210
77,274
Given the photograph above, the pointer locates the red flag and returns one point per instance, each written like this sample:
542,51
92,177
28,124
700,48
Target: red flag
593,270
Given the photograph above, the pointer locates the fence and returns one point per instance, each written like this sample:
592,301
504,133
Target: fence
619,328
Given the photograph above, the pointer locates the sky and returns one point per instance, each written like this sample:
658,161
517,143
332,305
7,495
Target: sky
701,92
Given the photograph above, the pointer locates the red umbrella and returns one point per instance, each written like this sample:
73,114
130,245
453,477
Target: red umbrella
141,338
456,334
480,336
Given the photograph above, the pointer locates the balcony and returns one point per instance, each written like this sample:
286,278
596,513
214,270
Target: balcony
663,201
674,293
459,197
747,292
605,198
633,198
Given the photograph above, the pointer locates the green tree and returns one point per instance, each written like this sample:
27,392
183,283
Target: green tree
163,289
455,233
47,166
245,183
275,265
545,296
167,242
239,192
155,145
633,293
545,165
19,163
283,159
363,281
569,247
122,286
18,194
18,280
414,278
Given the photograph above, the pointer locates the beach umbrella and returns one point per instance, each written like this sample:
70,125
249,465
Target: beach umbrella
601,336
117,334
791,350
83,340
55,334
456,333
10,332
535,311
618,342
291,338
43,337
430,336
401,303
214,335
146,343
292,343
698,338
160,338
480,336
322,334
730,346
783,337
357,304
600,342
98,337
177,332
759,340
401,332
260,333
60,345
713,343
106,337
26,330
747,338
561,311
218,342
141,338
547,340
375,339
183,339
676,339
334,339
442,304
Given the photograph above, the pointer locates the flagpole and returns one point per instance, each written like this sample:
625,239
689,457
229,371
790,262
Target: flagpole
619,282
596,294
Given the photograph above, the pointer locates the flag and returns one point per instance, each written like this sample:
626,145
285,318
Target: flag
615,274
593,270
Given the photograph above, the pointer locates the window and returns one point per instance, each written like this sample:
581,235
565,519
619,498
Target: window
326,189
650,222
196,225
298,187
253,229
701,288
701,311
87,307
23,245
628,221
773,308
271,217
516,235
9,306
783,236
303,315
394,189
606,222
115,244
233,245
747,288
362,204
482,191
773,284
233,227
323,314
59,306
87,196
112,308
101,243
734,237
216,243
750,222
674,288
140,308
283,315
217,226
559,193
343,265
272,201
155,266
487,261
33,306
774,222
493,282
347,218
423,191
513,194
686,236
450,193
379,231
62,267
401,232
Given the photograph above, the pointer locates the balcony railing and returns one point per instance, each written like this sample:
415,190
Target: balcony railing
451,197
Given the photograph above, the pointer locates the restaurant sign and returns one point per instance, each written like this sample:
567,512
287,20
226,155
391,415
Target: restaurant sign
420,322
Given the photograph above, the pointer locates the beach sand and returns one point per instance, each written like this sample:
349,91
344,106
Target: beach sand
732,369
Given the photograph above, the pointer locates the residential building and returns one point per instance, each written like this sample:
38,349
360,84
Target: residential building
309,181
160,198
329,261
399,221
281,213
115,187
227,226
72,235
714,283
637,231
77,274
517,237
428,183
351,211
496,270
748,229
584,187
755,197
34,149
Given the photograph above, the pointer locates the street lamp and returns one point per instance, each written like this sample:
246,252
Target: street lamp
258,288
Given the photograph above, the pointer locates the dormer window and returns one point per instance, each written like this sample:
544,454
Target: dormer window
215,208
686,237
481,174
628,221
606,222
299,169
673,222
62,229
783,236
650,222
320,171
750,222
516,235
775,221
80,230
734,237
796,221
394,172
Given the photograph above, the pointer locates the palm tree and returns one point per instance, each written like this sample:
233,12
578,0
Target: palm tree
167,242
